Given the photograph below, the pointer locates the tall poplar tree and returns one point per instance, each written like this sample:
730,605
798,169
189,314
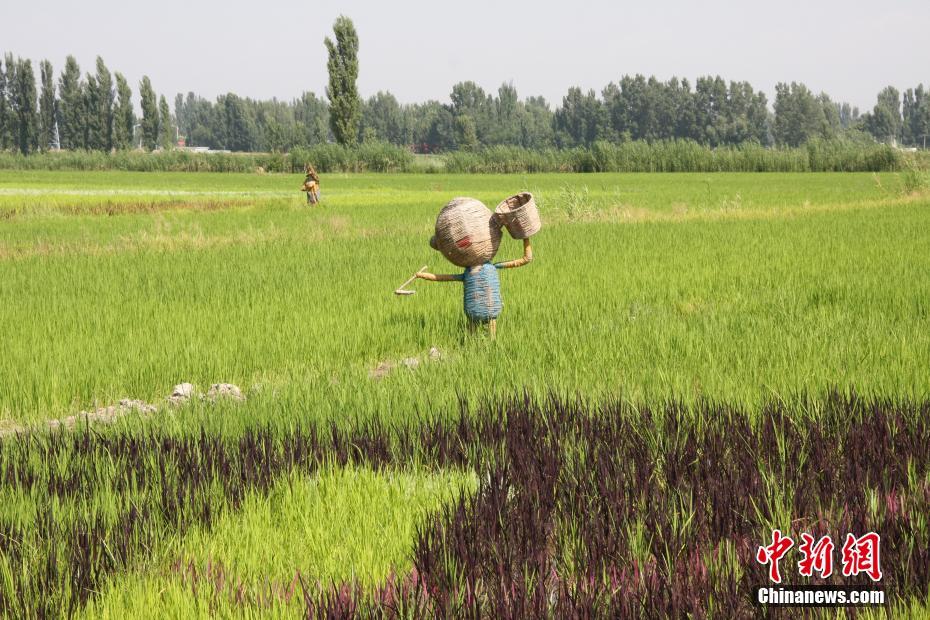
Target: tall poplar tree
91,98
104,109
71,106
123,118
799,115
920,117
885,123
48,108
345,105
4,108
7,115
149,114
25,104
582,119
165,135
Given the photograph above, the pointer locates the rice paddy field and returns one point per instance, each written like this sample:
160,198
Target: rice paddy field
691,361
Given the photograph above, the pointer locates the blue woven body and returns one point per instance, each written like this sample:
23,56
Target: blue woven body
482,292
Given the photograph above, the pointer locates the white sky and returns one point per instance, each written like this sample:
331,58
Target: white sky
418,49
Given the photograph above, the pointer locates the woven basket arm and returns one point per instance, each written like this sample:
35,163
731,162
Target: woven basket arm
519,262
438,277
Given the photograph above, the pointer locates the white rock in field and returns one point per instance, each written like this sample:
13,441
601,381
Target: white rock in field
182,392
127,404
435,354
224,390
104,415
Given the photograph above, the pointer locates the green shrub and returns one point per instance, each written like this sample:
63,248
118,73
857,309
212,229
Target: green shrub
913,179
680,156
638,156
373,157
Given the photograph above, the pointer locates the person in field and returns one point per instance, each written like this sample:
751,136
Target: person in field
311,185
468,235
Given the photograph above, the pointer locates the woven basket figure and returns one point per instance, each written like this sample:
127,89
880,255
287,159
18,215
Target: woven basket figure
519,215
482,292
467,233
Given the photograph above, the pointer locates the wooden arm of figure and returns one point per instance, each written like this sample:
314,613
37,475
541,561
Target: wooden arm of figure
519,262
436,277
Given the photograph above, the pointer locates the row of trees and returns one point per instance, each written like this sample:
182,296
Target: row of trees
93,112
904,119
633,109
712,112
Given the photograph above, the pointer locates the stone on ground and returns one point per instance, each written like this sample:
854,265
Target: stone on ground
224,390
181,393
105,415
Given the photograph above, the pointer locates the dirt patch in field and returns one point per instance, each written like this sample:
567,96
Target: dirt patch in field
152,206
729,209
339,223
186,239
121,207
8,427
180,395
385,367
164,241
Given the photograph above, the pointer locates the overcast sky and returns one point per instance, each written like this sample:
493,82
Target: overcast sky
418,49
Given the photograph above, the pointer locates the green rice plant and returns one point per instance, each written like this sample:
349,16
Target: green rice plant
914,180
680,289
342,525
187,518
670,290
575,202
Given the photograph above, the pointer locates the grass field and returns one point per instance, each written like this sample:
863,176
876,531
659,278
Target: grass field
721,293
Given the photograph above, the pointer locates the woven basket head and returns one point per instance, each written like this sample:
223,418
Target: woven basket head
467,233
519,215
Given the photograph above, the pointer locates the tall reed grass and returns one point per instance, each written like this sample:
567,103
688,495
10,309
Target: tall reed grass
369,157
680,156
639,156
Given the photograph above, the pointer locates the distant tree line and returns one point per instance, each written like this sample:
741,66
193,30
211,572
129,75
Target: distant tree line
92,112
712,113
95,111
